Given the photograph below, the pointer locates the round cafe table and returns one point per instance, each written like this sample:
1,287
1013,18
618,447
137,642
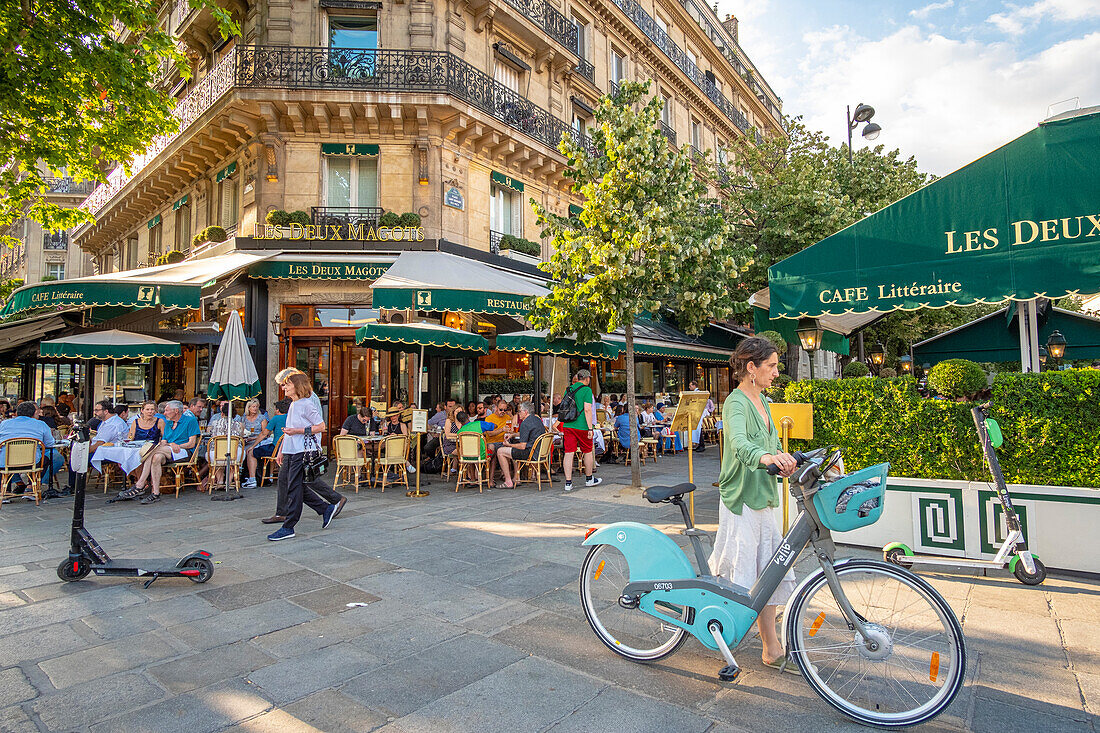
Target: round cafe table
127,455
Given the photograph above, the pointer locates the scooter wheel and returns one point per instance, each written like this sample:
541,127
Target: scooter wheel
205,567
1027,578
896,556
73,570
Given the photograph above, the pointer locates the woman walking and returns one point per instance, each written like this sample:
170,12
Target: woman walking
302,419
747,533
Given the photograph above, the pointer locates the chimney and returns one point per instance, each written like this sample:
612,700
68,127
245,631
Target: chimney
730,24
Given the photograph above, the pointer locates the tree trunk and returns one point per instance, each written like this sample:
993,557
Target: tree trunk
631,401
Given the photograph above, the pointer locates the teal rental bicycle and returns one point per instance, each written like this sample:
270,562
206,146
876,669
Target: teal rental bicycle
875,641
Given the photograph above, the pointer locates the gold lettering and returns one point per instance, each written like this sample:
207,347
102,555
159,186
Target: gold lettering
951,244
972,241
1095,221
355,231
334,229
1018,227
1065,228
297,231
991,240
1049,227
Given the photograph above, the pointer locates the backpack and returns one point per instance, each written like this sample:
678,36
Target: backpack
567,408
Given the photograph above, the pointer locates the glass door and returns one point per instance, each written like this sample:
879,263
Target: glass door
314,358
357,366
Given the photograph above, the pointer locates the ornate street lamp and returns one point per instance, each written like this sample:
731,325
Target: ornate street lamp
1056,345
810,334
906,363
277,325
877,355
1042,357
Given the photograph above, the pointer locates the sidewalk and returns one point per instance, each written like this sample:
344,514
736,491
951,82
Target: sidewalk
470,622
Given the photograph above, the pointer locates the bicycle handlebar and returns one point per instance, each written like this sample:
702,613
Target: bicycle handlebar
799,459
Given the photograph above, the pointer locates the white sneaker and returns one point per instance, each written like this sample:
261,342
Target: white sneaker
568,485
592,481
410,468
249,483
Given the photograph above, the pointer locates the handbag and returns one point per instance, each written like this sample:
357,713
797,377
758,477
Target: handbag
316,462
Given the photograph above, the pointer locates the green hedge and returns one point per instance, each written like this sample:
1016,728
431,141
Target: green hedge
1050,424
507,386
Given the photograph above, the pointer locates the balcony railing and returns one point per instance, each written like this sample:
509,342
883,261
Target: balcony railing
67,185
55,241
180,11
668,131
296,67
494,241
698,157
341,215
587,70
660,38
556,25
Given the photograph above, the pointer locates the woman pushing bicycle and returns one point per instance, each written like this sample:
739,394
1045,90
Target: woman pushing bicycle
748,535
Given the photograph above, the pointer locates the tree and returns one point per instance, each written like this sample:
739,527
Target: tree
74,98
646,241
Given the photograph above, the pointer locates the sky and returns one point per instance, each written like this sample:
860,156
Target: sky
950,80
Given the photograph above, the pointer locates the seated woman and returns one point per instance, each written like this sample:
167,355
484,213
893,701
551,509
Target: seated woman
221,425
622,427
147,427
254,422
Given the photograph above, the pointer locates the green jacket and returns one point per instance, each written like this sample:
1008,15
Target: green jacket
743,480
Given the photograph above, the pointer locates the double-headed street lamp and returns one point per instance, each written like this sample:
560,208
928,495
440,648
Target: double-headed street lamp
862,114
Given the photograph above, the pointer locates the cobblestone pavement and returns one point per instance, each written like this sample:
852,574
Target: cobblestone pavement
471,622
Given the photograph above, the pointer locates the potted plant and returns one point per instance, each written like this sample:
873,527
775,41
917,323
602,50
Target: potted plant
518,248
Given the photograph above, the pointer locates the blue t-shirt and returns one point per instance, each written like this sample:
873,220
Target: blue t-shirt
622,430
25,427
276,425
183,431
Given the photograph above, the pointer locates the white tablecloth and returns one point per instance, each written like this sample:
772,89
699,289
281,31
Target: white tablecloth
127,457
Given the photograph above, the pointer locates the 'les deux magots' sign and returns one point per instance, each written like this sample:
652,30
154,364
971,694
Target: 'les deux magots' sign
339,232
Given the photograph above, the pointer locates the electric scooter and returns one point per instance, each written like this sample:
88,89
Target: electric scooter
1013,553
87,556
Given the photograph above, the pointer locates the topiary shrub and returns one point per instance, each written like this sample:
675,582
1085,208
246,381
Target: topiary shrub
214,234
410,219
389,219
519,244
778,391
775,338
957,378
854,369
171,257
197,239
277,218
299,217
887,373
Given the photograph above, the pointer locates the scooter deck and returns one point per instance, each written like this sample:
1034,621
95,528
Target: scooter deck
138,568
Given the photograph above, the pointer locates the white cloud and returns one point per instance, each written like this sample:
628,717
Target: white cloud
923,13
1019,18
946,101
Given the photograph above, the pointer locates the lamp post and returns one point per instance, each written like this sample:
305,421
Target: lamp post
863,114
1042,357
1056,345
877,356
906,364
809,334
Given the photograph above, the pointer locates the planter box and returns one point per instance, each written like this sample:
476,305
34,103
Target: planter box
964,518
520,256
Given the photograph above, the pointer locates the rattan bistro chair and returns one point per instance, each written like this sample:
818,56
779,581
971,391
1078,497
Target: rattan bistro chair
393,454
349,461
21,457
471,448
537,460
220,447
180,470
268,463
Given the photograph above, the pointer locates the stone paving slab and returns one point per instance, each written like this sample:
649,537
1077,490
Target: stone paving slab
471,623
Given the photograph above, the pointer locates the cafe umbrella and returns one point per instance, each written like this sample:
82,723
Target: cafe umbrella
233,377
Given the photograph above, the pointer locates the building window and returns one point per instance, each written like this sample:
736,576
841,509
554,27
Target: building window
353,33
666,109
617,71
56,270
507,75
130,254
154,241
351,181
504,211
580,123
691,56
183,228
696,134
661,23
227,196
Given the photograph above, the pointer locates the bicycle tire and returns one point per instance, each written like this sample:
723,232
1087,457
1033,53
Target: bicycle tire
806,617
604,614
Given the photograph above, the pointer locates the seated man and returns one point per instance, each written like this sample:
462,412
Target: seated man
357,423
181,438
500,421
264,445
25,424
530,428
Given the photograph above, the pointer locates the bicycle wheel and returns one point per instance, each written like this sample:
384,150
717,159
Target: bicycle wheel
625,630
917,664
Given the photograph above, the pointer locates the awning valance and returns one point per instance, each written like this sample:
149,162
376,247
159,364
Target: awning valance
350,149
437,281
172,286
1019,223
111,344
507,181
536,342
318,268
433,339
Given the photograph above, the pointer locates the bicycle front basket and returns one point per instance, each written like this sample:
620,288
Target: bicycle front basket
853,501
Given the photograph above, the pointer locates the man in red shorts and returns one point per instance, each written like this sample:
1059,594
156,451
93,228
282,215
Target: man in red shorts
577,433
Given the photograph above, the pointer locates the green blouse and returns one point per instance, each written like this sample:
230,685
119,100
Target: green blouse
743,480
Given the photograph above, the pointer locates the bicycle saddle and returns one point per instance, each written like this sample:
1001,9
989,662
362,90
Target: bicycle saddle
657,494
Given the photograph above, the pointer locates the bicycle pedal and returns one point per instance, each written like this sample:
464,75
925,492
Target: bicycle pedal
729,673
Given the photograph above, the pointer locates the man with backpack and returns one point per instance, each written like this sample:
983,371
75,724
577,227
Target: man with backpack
577,413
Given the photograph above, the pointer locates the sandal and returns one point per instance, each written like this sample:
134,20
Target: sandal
783,664
151,499
132,493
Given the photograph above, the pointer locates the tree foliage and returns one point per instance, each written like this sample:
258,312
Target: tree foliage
74,98
646,241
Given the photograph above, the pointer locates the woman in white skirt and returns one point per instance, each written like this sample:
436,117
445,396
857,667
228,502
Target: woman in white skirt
747,532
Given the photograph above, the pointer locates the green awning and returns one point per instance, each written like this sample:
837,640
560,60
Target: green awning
226,172
180,203
317,270
153,222
785,327
412,337
536,342
437,281
672,349
1020,222
349,149
112,344
991,339
506,181
575,210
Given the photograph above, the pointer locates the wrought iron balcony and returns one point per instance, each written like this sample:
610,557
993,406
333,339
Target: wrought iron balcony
494,241
55,241
341,215
613,88
668,131
660,38
68,186
297,67
587,70
556,25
